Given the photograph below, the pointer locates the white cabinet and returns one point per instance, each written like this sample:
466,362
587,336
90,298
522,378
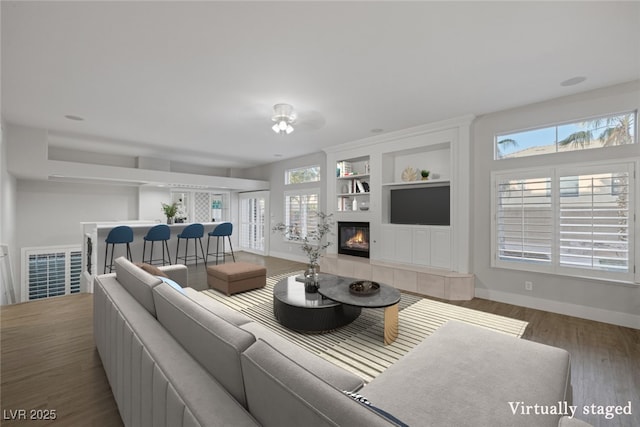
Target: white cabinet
387,243
404,244
424,245
440,247
421,246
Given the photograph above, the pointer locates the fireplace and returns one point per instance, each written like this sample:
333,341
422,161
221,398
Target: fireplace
353,238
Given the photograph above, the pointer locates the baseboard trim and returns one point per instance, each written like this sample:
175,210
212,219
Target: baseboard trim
581,311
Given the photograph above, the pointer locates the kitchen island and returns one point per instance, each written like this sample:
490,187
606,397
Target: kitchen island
95,233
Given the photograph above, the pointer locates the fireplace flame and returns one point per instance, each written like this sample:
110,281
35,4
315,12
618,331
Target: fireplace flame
357,241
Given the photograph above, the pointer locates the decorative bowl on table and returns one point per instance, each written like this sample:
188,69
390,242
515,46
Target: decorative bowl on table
364,287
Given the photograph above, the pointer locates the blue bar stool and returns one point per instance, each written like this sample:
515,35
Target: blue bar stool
158,233
195,232
223,230
118,235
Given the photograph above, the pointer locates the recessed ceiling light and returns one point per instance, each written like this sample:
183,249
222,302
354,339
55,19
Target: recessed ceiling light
573,81
377,130
72,117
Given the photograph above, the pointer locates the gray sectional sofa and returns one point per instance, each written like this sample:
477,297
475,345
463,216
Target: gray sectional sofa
175,357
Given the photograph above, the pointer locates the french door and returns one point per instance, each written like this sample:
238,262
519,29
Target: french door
254,211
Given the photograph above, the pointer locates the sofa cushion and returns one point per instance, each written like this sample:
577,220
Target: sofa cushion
479,370
137,282
280,392
217,308
215,343
572,422
334,375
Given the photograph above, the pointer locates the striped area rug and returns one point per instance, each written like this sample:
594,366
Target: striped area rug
358,346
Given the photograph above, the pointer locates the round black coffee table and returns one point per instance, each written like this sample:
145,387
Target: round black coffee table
310,312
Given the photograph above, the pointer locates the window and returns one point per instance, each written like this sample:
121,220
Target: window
50,272
599,132
524,219
300,213
576,221
253,214
594,226
302,175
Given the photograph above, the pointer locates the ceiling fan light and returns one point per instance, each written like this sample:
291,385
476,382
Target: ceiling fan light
284,116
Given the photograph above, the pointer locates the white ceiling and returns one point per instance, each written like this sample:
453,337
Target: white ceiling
195,81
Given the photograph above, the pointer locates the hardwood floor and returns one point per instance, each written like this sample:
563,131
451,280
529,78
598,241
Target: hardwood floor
49,361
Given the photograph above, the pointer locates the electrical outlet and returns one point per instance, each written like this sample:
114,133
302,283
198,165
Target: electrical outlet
528,285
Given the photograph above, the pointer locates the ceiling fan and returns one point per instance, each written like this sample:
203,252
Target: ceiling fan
284,118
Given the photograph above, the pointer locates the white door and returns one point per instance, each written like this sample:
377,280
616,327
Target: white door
254,209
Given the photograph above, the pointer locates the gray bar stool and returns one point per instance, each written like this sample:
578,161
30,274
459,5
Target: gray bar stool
158,233
122,234
195,232
223,230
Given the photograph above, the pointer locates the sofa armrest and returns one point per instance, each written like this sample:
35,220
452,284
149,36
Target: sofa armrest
179,273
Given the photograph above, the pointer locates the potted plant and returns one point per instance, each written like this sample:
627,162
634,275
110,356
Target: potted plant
313,244
170,211
425,174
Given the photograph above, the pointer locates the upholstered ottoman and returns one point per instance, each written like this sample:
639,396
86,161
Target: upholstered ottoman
236,277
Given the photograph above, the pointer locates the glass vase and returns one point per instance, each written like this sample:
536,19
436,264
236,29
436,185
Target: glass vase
311,278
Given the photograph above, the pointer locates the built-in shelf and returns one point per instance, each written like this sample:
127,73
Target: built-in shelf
353,176
426,182
352,185
353,194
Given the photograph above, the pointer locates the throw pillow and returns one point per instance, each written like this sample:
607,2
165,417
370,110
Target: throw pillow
151,269
171,283
364,401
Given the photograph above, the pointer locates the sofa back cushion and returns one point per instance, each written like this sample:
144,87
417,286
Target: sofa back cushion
215,343
137,282
281,392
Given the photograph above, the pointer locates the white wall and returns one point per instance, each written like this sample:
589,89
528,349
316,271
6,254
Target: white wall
7,210
150,202
594,299
51,212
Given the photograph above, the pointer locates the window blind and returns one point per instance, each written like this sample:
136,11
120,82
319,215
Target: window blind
51,272
524,220
594,224
252,223
300,213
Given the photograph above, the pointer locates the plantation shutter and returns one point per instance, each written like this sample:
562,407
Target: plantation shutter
300,212
524,219
52,272
252,223
595,222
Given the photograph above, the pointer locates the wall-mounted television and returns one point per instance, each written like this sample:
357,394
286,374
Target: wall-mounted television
422,205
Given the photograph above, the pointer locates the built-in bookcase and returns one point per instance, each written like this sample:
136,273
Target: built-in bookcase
395,161
353,186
